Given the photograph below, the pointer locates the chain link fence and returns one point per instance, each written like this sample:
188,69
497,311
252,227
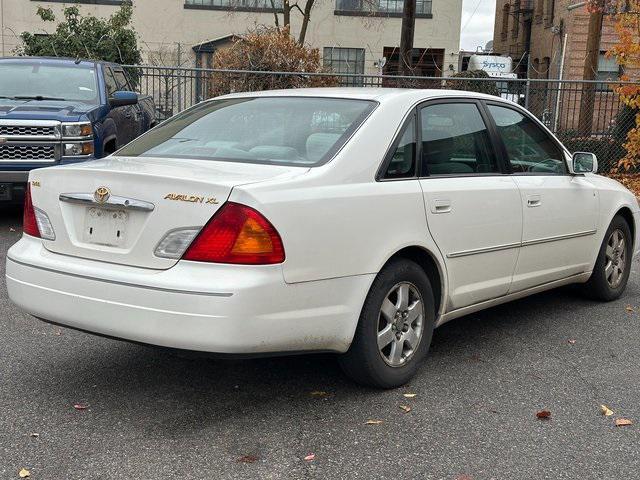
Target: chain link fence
585,115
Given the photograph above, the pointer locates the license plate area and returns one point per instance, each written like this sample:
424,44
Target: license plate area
105,226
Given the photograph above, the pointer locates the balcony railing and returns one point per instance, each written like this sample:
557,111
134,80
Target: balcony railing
242,5
380,7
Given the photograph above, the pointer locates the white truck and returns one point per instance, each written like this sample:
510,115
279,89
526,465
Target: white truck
498,67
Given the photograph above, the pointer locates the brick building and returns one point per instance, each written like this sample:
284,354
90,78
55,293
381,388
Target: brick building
533,32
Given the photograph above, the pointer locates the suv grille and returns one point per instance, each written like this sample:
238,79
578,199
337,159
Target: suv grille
27,152
26,131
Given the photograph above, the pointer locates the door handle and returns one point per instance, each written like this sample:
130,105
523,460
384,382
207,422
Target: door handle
441,206
534,201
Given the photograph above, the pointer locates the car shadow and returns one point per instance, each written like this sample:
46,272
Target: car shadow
111,372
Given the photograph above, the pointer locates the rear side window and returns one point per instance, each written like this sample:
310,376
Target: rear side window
530,148
305,131
121,80
455,140
402,163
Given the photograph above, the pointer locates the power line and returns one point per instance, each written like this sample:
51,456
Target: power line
472,14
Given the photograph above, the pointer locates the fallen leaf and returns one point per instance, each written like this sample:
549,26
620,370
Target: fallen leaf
543,414
629,309
373,422
606,411
11,229
81,406
409,395
319,393
247,459
24,473
35,435
310,457
623,422
58,332
406,408
464,477
571,341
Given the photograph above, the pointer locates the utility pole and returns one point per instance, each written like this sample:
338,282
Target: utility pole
594,35
406,36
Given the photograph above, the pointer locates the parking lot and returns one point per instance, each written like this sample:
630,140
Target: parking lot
153,415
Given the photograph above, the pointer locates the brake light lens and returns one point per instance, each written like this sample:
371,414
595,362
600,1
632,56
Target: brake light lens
29,222
237,234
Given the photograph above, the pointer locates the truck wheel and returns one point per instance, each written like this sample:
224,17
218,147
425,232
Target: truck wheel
395,327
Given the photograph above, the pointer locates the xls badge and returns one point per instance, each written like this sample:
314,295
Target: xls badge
102,194
180,197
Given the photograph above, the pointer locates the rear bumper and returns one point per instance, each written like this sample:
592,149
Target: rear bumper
194,306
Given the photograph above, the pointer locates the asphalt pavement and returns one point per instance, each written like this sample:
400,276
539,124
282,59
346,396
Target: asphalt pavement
153,415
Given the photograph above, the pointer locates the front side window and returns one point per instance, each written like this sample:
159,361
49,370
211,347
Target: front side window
303,131
121,80
529,147
110,82
34,79
455,140
403,158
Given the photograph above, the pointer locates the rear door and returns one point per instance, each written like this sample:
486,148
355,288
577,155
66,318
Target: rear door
473,208
560,211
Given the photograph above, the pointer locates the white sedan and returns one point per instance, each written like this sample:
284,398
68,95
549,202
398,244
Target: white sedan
352,221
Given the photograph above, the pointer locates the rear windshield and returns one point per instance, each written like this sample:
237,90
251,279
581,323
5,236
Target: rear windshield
304,131
61,82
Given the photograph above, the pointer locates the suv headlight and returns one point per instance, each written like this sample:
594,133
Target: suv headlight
76,130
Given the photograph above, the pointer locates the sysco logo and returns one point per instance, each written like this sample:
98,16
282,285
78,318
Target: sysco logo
494,65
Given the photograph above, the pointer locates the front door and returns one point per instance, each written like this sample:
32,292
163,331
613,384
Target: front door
473,208
560,211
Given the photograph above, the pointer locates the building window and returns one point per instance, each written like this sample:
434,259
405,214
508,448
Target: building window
345,60
515,31
505,20
549,14
239,5
539,10
380,8
608,69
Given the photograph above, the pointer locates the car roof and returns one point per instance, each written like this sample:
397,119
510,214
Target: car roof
56,60
379,94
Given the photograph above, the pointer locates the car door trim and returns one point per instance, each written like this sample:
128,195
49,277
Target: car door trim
507,246
476,251
557,238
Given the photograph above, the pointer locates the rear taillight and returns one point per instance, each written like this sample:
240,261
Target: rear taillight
35,222
237,234
29,222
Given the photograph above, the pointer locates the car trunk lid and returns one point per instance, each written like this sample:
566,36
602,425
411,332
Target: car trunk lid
118,209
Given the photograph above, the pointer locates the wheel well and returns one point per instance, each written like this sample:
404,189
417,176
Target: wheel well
423,258
110,146
625,213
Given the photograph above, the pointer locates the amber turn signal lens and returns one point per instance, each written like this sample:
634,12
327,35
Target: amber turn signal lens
237,234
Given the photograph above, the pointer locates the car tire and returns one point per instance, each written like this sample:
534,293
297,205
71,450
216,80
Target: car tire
399,308
613,265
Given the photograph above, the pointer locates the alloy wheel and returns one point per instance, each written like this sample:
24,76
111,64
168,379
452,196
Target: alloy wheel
616,255
400,324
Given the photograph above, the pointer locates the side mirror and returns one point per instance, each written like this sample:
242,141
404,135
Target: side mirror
122,98
583,162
